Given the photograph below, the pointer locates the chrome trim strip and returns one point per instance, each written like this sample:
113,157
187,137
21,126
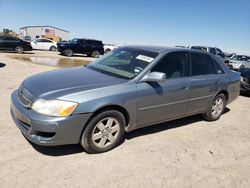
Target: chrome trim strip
167,104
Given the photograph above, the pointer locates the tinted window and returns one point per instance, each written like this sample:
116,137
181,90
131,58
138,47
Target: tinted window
219,70
10,39
46,40
83,41
212,50
202,64
173,65
39,40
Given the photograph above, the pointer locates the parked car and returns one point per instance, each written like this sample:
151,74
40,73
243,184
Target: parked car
10,43
109,47
239,62
213,50
228,57
43,44
129,88
245,80
90,47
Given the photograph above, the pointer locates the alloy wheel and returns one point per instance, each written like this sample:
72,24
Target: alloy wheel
105,132
217,107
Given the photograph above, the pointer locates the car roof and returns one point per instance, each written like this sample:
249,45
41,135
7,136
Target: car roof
161,49
88,39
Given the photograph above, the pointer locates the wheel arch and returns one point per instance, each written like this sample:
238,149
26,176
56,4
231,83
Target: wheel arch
224,92
113,107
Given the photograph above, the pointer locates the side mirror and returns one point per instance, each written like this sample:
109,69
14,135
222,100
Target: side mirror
154,77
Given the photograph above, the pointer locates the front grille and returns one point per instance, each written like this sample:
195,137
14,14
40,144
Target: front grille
25,97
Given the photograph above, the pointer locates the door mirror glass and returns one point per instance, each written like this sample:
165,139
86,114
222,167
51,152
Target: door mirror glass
154,77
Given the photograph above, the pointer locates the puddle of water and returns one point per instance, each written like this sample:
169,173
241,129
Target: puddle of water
53,61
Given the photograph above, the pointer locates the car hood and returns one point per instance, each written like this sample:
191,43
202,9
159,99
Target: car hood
245,72
61,82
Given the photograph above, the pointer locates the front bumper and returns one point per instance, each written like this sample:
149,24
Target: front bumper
46,130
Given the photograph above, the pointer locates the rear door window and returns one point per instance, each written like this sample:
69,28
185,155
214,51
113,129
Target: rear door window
9,39
202,64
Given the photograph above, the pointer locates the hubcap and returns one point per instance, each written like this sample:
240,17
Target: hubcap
105,132
95,54
19,49
217,107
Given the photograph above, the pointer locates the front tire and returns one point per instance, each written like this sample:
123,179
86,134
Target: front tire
104,132
19,49
216,109
68,52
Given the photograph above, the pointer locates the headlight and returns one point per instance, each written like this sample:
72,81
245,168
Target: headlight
54,107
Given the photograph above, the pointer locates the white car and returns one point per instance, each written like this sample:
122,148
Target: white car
43,44
239,61
109,47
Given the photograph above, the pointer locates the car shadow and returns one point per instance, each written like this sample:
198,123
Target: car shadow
167,126
78,55
2,65
58,150
245,94
11,52
76,148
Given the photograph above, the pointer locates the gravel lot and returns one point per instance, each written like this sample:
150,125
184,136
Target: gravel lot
184,153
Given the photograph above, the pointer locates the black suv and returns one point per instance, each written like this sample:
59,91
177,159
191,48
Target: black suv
90,47
10,43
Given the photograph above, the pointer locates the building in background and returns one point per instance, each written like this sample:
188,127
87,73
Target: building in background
53,33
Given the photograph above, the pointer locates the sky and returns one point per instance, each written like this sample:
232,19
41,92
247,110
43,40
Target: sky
221,23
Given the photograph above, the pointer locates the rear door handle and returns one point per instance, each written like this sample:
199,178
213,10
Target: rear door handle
185,88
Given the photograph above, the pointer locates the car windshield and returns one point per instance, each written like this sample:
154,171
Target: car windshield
240,58
124,63
73,40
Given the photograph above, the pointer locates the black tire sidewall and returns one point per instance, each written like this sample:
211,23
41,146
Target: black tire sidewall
53,48
86,140
66,52
93,54
19,51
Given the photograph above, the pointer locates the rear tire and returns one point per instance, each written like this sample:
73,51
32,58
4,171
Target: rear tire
95,54
52,48
242,67
68,52
104,132
216,108
19,49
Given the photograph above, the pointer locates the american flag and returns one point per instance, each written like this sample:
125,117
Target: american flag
50,32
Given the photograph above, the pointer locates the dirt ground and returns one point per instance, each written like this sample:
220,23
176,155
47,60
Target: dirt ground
184,153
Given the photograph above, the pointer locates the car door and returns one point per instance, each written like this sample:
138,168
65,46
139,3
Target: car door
204,82
81,46
161,101
10,43
47,44
37,44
